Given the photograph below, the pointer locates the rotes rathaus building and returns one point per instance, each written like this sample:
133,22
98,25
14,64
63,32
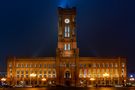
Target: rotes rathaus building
67,68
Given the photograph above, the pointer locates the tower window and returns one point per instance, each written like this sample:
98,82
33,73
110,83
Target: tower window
67,47
67,31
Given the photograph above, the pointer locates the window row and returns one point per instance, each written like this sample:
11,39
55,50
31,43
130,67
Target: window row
39,76
36,72
107,65
94,71
34,65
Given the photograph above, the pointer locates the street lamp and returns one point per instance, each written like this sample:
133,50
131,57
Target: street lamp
92,80
106,75
43,79
32,75
3,80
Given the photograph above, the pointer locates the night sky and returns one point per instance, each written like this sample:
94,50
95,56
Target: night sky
28,28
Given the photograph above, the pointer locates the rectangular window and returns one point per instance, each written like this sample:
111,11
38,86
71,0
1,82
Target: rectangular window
123,65
40,65
67,31
26,72
23,65
68,46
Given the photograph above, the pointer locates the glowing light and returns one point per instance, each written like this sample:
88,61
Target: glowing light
131,79
92,79
131,76
3,79
105,75
33,75
67,20
43,79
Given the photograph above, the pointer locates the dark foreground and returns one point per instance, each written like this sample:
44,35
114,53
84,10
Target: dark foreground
71,88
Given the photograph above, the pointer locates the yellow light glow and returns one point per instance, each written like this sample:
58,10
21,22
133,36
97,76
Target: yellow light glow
3,79
33,75
105,75
92,79
43,79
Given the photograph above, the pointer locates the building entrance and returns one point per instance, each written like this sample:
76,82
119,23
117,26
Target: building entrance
67,78
67,75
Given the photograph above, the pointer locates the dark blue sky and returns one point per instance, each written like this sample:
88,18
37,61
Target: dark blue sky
104,28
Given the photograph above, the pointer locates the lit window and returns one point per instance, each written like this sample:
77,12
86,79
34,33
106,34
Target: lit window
67,31
30,65
123,65
68,46
22,65
26,65
116,65
65,47
10,65
40,65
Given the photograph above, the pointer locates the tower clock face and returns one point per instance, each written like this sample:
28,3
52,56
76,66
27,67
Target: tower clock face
67,20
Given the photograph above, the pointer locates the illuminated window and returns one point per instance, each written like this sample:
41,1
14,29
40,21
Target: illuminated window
67,31
67,47
123,65
40,65
10,65
116,65
26,65
22,65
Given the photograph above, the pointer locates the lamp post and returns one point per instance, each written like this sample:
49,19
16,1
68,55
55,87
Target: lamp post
32,75
105,75
3,80
43,79
92,80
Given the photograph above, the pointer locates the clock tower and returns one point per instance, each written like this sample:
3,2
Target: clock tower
67,45
67,53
